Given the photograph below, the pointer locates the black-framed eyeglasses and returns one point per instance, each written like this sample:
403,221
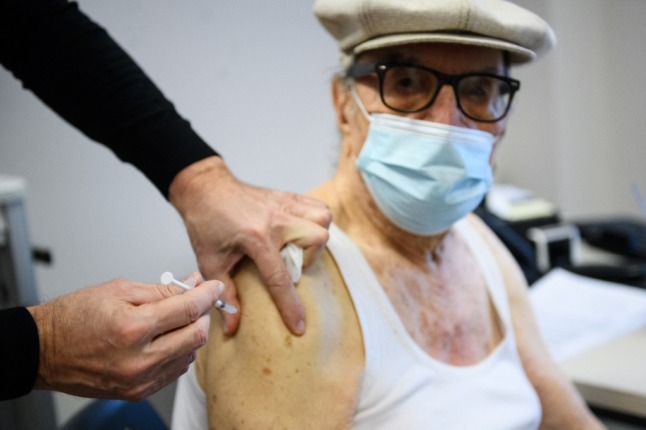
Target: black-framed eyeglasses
483,97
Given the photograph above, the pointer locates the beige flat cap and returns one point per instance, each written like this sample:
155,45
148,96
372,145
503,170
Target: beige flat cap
363,25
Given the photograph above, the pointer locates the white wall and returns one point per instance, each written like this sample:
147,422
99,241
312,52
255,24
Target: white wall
252,76
577,132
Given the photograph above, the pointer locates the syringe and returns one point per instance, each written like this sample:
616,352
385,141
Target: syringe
167,278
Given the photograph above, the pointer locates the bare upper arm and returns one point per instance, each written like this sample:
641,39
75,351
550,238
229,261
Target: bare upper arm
264,377
562,405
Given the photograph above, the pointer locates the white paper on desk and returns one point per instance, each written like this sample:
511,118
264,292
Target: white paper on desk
576,313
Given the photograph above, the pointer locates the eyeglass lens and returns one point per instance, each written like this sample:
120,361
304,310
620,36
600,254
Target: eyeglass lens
480,97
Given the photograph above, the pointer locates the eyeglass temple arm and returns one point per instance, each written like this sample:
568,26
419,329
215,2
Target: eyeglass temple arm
359,70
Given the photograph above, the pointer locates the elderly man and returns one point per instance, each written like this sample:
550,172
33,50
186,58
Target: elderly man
418,316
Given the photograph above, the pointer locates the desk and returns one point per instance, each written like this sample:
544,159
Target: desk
613,376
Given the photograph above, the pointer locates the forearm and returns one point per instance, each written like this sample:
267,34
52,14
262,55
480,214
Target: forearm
562,405
77,69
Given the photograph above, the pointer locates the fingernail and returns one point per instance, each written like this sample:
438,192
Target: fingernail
219,288
226,327
300,327
190,281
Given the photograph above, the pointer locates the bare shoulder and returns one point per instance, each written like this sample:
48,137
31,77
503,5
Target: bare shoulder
264,377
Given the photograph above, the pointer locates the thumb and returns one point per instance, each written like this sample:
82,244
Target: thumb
156,292
230,322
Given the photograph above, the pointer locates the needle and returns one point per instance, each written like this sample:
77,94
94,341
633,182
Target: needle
167,278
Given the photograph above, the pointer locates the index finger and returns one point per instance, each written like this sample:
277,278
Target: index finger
310,209
279,284
180,310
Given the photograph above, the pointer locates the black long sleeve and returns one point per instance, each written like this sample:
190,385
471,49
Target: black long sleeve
19,352
75,67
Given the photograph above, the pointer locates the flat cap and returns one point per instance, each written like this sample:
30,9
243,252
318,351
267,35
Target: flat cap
363,25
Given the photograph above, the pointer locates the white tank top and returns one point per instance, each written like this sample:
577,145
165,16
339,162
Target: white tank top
403,387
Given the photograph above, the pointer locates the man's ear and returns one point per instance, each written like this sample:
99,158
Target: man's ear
340,97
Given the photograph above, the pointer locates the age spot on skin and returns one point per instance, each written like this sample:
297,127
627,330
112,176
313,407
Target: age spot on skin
288,341
266,371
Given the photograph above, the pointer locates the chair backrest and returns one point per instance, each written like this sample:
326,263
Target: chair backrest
116,415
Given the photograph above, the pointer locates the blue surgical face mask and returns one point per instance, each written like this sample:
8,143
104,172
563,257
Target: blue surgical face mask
424,176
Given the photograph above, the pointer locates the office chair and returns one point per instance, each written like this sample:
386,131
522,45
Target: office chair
116,415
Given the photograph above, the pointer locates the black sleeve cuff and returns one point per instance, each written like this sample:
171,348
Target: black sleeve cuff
20,355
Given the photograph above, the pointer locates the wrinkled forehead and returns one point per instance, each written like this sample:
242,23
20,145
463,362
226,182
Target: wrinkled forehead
445,57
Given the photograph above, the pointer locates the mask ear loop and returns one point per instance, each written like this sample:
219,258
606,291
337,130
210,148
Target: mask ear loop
357,100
